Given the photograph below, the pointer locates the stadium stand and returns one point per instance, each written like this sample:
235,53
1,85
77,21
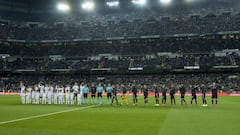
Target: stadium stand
205,38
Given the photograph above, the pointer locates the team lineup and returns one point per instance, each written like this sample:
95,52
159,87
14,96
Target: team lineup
79,93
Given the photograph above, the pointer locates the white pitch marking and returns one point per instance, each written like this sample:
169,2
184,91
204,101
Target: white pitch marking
48,114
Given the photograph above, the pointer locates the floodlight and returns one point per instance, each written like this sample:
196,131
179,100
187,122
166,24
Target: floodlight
165,2
139,2
88,5
113,3
63,7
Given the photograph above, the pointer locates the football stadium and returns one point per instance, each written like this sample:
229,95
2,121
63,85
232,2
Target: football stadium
124,67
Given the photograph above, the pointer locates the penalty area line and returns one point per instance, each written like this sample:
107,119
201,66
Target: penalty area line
48,114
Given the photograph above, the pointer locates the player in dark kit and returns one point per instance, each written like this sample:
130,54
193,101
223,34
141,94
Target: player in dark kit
203,90
172,93
145,94
93,93
164,95
114,94
214,93
182,92
134,91
156,91
194,94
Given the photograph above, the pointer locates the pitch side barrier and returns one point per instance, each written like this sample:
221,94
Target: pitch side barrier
150,94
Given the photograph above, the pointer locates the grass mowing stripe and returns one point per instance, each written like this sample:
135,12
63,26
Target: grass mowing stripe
48,114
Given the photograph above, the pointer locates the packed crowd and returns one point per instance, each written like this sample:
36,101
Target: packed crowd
123,47
153,53
123,28
123,62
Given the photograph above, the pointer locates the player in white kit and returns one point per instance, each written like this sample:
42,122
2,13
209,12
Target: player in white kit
50,94
33,95
75,92
81,93
67,94
37,94
41,88
60,94
71,98
55,95
44,90
28,94
22,93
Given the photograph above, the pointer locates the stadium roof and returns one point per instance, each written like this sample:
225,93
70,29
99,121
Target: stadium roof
50,5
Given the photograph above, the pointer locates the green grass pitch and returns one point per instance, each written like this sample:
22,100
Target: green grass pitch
223,119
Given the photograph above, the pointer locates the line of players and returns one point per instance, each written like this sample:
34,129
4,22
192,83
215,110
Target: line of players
172,90
78,94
